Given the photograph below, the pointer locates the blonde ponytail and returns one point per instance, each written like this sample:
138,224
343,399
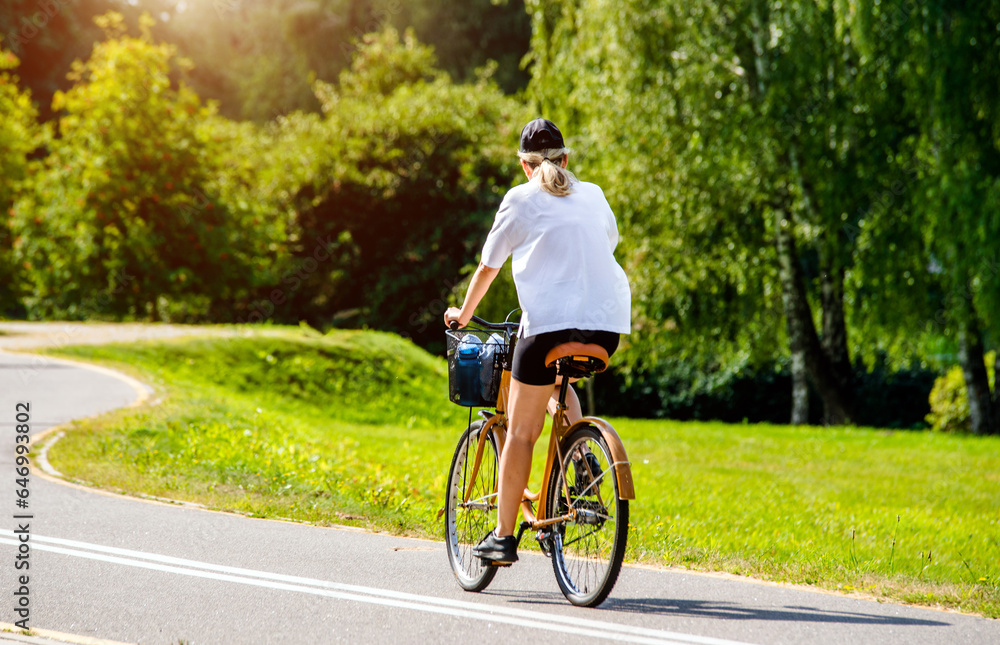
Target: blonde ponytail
547,166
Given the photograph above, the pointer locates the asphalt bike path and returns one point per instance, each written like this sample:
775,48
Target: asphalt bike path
114,568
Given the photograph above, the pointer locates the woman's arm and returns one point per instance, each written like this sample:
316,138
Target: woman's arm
481,281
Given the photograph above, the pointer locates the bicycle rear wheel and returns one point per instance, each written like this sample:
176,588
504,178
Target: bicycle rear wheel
468,521
587,551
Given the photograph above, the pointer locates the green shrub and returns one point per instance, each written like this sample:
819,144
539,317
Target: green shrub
122,217
885,396
18,137
950,400
392,191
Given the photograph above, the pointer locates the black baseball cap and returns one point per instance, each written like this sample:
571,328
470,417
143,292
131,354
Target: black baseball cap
541,134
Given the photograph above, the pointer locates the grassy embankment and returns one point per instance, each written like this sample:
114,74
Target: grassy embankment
354,427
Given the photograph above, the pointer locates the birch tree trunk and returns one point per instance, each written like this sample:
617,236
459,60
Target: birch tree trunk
800,389
996,392
977,385
834,340
802,335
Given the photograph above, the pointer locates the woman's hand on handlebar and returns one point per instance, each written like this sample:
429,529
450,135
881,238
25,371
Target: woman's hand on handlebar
453,316
480,283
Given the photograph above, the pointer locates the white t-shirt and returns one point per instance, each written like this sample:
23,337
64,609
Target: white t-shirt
563,259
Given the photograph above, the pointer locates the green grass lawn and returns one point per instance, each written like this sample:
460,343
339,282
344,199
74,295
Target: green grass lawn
355,428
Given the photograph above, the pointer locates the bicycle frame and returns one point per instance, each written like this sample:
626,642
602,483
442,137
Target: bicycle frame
560,429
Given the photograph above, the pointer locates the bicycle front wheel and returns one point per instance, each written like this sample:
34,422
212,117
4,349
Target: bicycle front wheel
587,551
471,506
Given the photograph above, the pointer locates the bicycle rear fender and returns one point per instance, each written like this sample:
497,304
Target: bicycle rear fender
623,469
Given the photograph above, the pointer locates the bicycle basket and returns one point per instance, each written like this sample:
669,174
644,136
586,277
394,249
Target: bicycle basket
488,367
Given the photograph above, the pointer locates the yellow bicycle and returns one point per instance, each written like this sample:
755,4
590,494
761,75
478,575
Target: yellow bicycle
580,514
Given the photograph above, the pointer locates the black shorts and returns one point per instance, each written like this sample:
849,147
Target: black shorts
529,353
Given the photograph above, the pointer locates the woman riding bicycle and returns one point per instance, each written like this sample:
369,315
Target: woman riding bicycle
562,235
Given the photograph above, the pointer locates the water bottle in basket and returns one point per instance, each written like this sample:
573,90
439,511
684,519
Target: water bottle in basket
468,374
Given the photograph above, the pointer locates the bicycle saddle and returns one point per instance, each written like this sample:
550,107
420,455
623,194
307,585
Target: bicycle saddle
577,360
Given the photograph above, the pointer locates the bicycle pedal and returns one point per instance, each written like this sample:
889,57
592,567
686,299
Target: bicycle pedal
492,563
544,539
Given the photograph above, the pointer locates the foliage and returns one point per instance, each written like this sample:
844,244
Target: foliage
259,59
404,174
947,55
689,166
959,145
256,58
180,214
48,35
468,35
949,399
18,130
123,219
735,124
892,396
313,436
888,396
18,138
865,134
949,403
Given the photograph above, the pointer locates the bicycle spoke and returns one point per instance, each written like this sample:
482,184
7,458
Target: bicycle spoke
481,503
596,482
468,521
565,544
588,547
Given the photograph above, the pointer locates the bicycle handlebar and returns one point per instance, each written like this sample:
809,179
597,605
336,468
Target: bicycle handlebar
504,326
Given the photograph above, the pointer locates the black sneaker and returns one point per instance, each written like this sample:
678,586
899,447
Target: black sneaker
583,478
498,551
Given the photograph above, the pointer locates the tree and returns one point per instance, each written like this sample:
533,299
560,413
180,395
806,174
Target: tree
745,133
652,119
18,138
467,35
862,137
259,59
951,66
392,191
122,220
837,150
48,35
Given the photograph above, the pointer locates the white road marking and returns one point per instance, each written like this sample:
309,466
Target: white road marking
370,595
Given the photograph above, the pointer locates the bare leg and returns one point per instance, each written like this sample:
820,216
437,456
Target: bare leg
526,412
